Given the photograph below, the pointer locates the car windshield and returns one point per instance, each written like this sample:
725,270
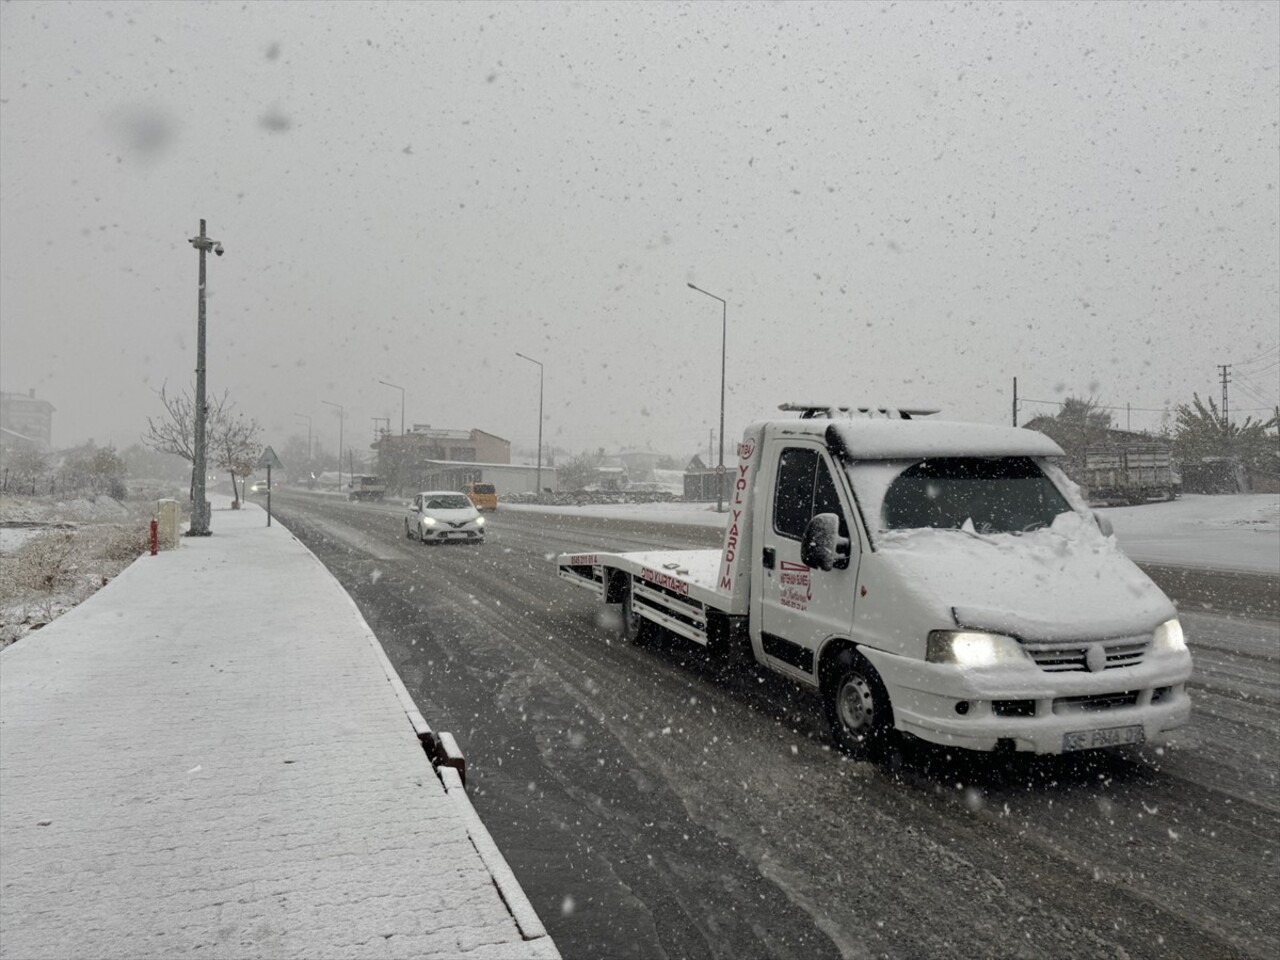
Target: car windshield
983,494
448,501
483,488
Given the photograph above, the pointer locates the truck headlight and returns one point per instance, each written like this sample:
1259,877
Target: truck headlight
1168,637
479,521
428,521
969,648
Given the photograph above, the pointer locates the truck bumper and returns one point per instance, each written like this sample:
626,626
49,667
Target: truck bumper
1027,709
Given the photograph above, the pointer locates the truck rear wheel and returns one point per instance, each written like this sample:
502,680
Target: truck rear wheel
857,706
634,627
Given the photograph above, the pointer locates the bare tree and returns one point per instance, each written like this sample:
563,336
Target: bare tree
225,430
235,445
175,431
24,465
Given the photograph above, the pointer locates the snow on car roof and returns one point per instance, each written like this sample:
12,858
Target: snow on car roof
903,439
441,493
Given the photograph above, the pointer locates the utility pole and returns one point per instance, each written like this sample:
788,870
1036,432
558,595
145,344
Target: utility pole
540,371
401,389
341,416
724,334
1015,401
308,419
1226,378
199,506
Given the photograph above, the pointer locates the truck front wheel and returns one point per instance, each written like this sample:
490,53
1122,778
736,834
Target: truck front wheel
857,706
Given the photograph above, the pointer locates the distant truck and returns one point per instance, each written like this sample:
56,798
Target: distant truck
366,488
943,580
1133,473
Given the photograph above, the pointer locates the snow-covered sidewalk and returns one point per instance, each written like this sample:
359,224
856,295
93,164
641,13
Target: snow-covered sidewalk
213,757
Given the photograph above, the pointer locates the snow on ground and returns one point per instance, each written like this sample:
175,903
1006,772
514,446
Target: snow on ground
683,514
1233,532
54,554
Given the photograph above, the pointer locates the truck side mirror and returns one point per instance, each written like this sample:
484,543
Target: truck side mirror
822,546
1104,524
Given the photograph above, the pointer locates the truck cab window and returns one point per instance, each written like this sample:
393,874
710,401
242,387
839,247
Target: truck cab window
804,488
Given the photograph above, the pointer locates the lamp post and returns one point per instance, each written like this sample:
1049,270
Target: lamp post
540,371
199,508
401,389
724,329
341,415
308,419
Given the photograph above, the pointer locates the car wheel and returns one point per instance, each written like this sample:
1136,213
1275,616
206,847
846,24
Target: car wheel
857,706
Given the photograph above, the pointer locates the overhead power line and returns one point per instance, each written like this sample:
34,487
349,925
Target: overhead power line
1099,406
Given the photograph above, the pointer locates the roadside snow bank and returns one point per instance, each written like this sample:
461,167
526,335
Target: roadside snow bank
1232,532
56,554
685,514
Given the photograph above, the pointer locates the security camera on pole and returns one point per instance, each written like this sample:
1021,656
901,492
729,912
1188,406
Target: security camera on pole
199,505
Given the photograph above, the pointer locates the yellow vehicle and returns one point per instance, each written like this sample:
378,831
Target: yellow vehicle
483,495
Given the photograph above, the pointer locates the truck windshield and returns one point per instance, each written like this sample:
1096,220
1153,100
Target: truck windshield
985,494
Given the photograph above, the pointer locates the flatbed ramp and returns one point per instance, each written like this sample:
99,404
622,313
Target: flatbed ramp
672,588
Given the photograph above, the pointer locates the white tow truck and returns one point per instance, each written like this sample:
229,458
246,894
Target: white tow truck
945,580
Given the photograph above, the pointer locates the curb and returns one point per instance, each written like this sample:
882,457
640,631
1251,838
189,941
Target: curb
450,766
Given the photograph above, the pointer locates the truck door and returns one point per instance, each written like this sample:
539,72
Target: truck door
796,608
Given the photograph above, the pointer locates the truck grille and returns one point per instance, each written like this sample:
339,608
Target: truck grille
1074,656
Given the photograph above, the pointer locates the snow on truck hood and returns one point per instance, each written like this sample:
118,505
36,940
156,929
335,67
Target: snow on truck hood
1067,582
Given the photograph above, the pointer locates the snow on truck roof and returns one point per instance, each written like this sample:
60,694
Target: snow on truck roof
913,439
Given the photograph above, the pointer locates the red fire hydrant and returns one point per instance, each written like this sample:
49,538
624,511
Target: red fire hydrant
155,536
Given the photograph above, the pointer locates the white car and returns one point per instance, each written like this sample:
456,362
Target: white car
443,515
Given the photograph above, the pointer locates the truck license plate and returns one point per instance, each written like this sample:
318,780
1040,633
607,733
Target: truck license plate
1106,737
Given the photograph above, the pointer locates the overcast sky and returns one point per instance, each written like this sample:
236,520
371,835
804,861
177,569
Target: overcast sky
900,202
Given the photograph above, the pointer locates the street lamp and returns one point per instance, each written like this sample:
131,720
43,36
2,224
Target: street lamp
724,328
531,360
199,508
341,414
401,389
308,419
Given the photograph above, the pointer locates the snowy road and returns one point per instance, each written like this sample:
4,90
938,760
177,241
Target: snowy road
652,805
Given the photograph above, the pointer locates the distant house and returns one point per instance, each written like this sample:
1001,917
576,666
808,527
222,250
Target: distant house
427,442
507,478
24,419
426,456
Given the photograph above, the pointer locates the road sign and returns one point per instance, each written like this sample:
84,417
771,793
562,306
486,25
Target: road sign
269,459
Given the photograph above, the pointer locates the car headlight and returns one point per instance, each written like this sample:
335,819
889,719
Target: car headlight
969,648
479,521
428,521
1168,637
